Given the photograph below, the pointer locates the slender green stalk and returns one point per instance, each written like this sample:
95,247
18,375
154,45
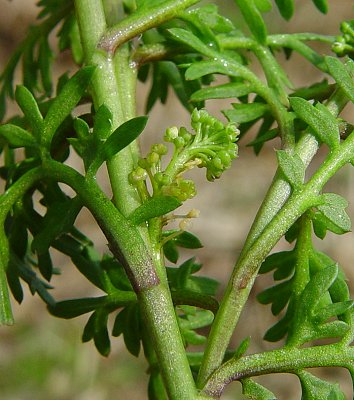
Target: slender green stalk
303,251
280,190
283,360
246,269
114,85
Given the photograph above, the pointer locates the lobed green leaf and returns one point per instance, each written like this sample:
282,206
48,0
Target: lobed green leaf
334,210
73,308
319,119
65,102
342,75
242,113
292,167
322,5
314,388
59,219
286,8
189,39
255,391
30,109
225,91
253,19
122,137
157,206
17,136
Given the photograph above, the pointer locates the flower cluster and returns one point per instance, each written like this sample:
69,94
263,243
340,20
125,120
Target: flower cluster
211,146
344,44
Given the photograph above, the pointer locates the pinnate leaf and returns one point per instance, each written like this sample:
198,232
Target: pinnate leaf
66,100
123,136
242,113
286,8
292,167
253,19
16,136
255,391
74,307
322,5
319,119
59,219
202,68
334,210
155,207
226,91
189,39
29,107
314,388
341,75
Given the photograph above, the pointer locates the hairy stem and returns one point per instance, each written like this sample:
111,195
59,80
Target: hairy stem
114,85
140,21
247,267
283,360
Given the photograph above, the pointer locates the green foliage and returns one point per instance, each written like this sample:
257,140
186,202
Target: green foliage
162,310
255,391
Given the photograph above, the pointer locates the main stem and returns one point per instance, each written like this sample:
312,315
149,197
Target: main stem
247,267
114,85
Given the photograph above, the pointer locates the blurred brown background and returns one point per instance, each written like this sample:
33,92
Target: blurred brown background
42,357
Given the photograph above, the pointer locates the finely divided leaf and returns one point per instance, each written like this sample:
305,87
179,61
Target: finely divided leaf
123,136
202,68
334,210
313,302
286,8
253,19
246,112
322,122
65,102
292,167
322,5
16,136
73,308
255,391
155,207
341,75
314,388
59,219
226,91
190,40
102,122
29,107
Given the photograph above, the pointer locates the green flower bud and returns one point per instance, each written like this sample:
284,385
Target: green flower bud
159,148
162,179
187,137
139,174
143,163
195,116
179,142
225,158
153,158
171,134
217,163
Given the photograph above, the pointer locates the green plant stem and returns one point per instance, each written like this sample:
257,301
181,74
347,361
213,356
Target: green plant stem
114,85
303,251
290,41
246,269
283,360
140,21
280,190
154,297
